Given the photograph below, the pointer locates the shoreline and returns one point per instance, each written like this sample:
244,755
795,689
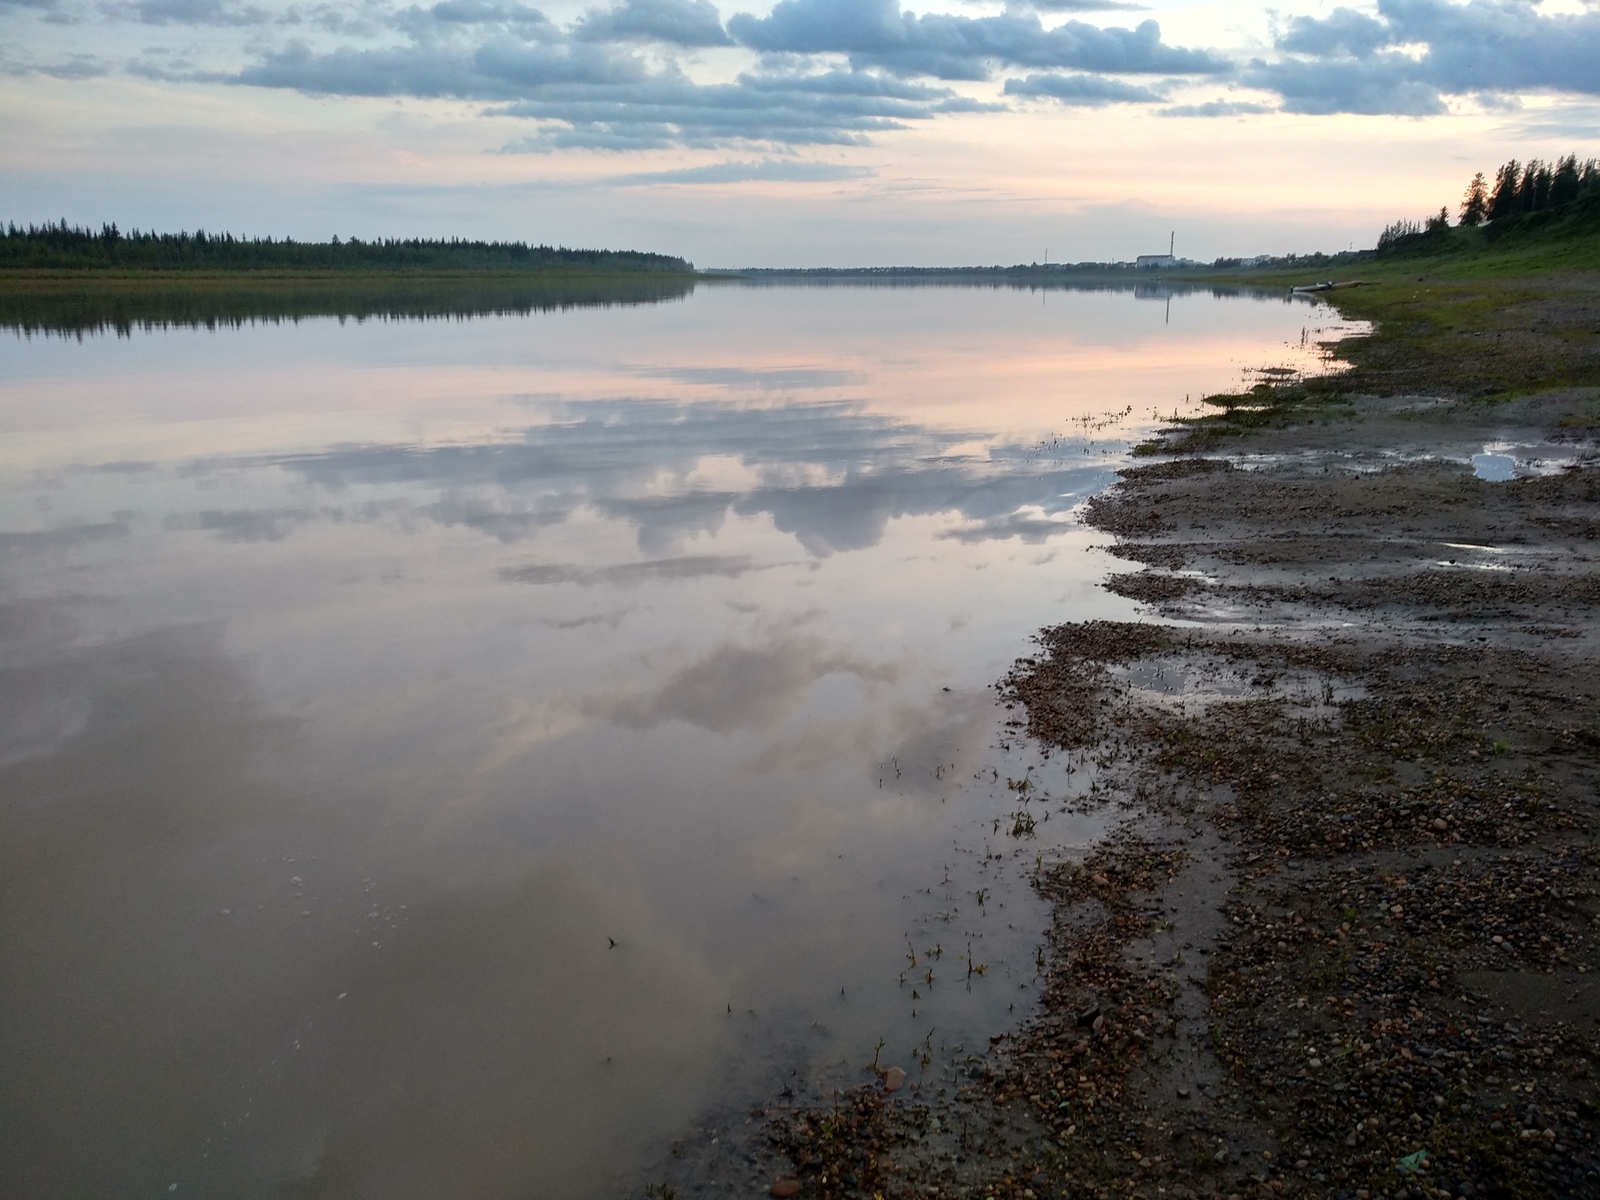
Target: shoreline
1345,941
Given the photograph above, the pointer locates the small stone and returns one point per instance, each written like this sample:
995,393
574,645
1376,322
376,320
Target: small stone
1100,881
294,881
784,1187
1440,825
893,1079
1314,1064
1183,1092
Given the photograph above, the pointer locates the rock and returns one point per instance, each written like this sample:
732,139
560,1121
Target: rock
1183,1092
784,1187
294,881
1100,880
1440,825
893,1079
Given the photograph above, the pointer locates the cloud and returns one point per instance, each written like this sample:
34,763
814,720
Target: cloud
603,96
769,170
1375,86
679,22
74,66
1084,5
1214,108
197,12
827,108
1351,62
875,33
692,566
736,687
611,457
1084,91
502,68
1031,529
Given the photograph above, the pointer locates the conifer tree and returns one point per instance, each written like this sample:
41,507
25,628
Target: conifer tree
1564,183
1504,201
1475,204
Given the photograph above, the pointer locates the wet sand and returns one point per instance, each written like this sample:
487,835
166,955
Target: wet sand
1344,939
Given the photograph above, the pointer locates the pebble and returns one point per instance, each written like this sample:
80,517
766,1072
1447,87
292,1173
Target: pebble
894,1079
784,1187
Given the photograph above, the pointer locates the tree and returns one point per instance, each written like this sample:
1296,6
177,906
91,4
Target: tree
1564,184
1504,201
1475,204
1442,221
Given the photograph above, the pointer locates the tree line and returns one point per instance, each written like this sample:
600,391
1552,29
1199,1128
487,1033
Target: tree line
1519,189
61,246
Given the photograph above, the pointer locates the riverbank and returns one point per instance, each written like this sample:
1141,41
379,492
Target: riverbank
1344,941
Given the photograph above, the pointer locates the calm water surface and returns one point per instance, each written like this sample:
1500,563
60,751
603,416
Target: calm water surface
452,758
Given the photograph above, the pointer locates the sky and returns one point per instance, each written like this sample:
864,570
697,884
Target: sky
788,133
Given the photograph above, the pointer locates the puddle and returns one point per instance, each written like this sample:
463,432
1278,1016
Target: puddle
1185,684
1496,468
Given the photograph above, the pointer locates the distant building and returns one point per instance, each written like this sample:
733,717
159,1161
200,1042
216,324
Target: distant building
1157,262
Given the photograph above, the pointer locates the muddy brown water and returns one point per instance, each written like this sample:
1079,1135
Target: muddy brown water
454,757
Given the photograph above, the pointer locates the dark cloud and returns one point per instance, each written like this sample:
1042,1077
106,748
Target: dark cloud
502,68
875,33
1344,32
1084,91
679,22
829,108
603,96
1351,62
198,12
1214,108
486,12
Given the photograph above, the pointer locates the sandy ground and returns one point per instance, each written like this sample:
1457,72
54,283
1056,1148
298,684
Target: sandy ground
1346,939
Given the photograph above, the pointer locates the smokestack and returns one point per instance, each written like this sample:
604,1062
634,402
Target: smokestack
1172,243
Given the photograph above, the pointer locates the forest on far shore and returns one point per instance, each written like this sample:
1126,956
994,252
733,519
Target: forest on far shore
66,247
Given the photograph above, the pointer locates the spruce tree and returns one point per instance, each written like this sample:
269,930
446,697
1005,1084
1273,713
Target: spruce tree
1528,189
1564,184
1475,204
1504,201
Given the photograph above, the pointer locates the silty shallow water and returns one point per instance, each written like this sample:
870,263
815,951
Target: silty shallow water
447,758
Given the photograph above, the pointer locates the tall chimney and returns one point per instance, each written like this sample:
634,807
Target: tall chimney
1172,243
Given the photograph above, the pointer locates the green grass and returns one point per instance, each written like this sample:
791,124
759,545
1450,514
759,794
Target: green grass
1469,314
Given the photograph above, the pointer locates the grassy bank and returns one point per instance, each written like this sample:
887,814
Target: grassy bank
1460,316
